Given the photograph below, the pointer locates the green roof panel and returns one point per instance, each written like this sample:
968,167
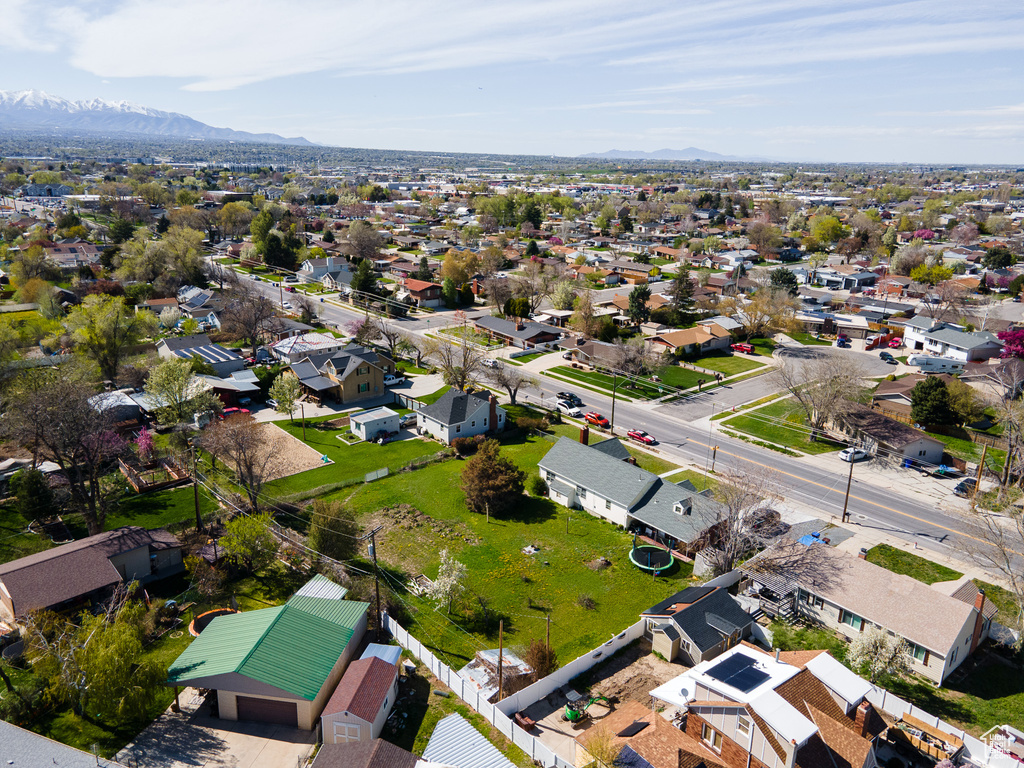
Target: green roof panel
223,646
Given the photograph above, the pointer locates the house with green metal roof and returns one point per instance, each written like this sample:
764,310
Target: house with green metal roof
276,665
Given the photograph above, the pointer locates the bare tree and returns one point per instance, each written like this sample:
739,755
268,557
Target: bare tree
635,357
239,441
584,320
306,306
995,543
536,283
964,234
511,379
769,311
460,362
419,347
821,386
946,300
247,312
389,334
743,498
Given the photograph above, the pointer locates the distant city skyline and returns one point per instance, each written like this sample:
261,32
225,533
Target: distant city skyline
922,81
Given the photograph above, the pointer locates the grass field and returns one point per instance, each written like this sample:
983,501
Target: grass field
15,539
527,358
729,364
898,561
682,378
782,424
150,510
523,589
696,478
809,339
433,397
970,451
603,382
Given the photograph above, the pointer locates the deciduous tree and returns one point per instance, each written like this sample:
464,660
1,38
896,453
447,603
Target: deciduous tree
492,482
512,379
879,654
181,393
821,387
240,442
450,582
248,538
333,530
286,391
105,329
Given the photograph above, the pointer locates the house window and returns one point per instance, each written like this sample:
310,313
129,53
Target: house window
922,453
485,421
607,504
952,656
743,725
458,428
711,737
813,600
363,370
550,476
364,387
920,654
581,491
345,732
851,619
472,423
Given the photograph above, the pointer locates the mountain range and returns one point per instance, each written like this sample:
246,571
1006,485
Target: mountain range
690,153
33,110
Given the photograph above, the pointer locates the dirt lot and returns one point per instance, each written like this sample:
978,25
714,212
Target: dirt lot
291,455
632,674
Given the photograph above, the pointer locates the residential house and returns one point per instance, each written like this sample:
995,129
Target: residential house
278,328
349,375
364,754
422,293
43,190
223,361
156,306
276,665
312,270
848,594
923,334
20,747
599,354
893,397
698,340
721,285
696,624
522,333
361,703
632,271
293,348
601,479
78,574
792,710
854,326
234,390
878,433
461,414
69,255
846,278
621,302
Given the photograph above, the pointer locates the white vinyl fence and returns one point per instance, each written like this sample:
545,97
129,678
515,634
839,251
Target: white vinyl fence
499,714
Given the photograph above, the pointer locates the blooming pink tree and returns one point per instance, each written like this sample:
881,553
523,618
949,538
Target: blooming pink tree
1013,343
144,442
924,234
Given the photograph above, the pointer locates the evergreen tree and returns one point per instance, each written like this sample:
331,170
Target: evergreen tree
784,279
638,310
681,295
363,280
929,402
492,483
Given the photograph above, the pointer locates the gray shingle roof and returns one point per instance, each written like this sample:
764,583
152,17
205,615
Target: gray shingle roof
19,747
507,328
612,447
606,476
705,621
657,510
961,339
453,406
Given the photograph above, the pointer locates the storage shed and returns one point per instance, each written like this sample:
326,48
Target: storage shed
367,424
360,705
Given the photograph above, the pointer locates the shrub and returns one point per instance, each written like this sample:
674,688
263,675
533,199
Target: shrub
586,601
464,446
537,486
542,660
531,422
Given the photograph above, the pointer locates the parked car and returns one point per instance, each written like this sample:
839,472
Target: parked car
567,355
391,380
409,420
233,412
569,409
965,487
286,305
853,454
747,349
885,354
490,362
569,397
895,343
843,343
272,403
641,437
596,419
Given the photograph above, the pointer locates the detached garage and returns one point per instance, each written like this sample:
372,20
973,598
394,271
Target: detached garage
367,424
276,665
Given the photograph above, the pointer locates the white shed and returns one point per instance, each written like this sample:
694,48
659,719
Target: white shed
361,703
367,424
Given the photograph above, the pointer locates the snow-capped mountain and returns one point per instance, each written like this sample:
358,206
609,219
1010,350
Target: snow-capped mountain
39,110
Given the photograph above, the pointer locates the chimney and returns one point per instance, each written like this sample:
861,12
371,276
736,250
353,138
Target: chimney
520,326
585,435
863,554
979,620
493,401
777,653
860,721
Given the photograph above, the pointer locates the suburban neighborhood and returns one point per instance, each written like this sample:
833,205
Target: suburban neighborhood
339,458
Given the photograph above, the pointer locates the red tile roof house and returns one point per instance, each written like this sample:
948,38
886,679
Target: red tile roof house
361,702
423,293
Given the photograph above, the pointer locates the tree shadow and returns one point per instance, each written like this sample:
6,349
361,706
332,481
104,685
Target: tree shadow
532,509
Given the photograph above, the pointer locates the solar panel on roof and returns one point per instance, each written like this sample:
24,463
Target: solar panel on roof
633,729
740,672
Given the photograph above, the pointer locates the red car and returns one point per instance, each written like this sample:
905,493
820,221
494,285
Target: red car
895,343
641,437
596,419
745,348
233,412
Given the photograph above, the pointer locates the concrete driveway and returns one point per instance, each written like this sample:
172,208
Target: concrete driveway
193,739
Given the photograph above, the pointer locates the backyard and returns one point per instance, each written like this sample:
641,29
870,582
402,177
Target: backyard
783,424
422,512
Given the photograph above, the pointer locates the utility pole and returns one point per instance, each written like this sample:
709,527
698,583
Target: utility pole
615,386
549,635
501,632
707,458
376,576
846,502
302,408
195,489
977,478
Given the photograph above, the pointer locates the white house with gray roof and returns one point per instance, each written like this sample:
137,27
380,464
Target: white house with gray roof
461,414
949,340
601,479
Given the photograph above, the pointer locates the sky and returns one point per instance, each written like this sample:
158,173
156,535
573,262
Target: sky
924,81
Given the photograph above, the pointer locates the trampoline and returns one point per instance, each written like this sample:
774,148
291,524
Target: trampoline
651,559
202,621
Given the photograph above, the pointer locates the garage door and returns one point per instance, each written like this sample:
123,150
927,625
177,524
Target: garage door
267,711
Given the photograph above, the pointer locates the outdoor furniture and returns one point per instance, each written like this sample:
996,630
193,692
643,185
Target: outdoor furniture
524,721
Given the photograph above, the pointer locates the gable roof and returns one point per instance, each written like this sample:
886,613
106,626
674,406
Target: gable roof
882,428
508,328
292,647
606,476
176,343
710,618
63,573
454,407
456,742
363,688
612,447
20,747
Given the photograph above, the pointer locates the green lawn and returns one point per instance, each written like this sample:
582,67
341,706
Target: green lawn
521,588
783,424
603,382
898,561
527,358
763,346
728,364
151,510
15,539
696,478
682,378
433,397
809,339
967,450
351,462
469,334
1004,600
